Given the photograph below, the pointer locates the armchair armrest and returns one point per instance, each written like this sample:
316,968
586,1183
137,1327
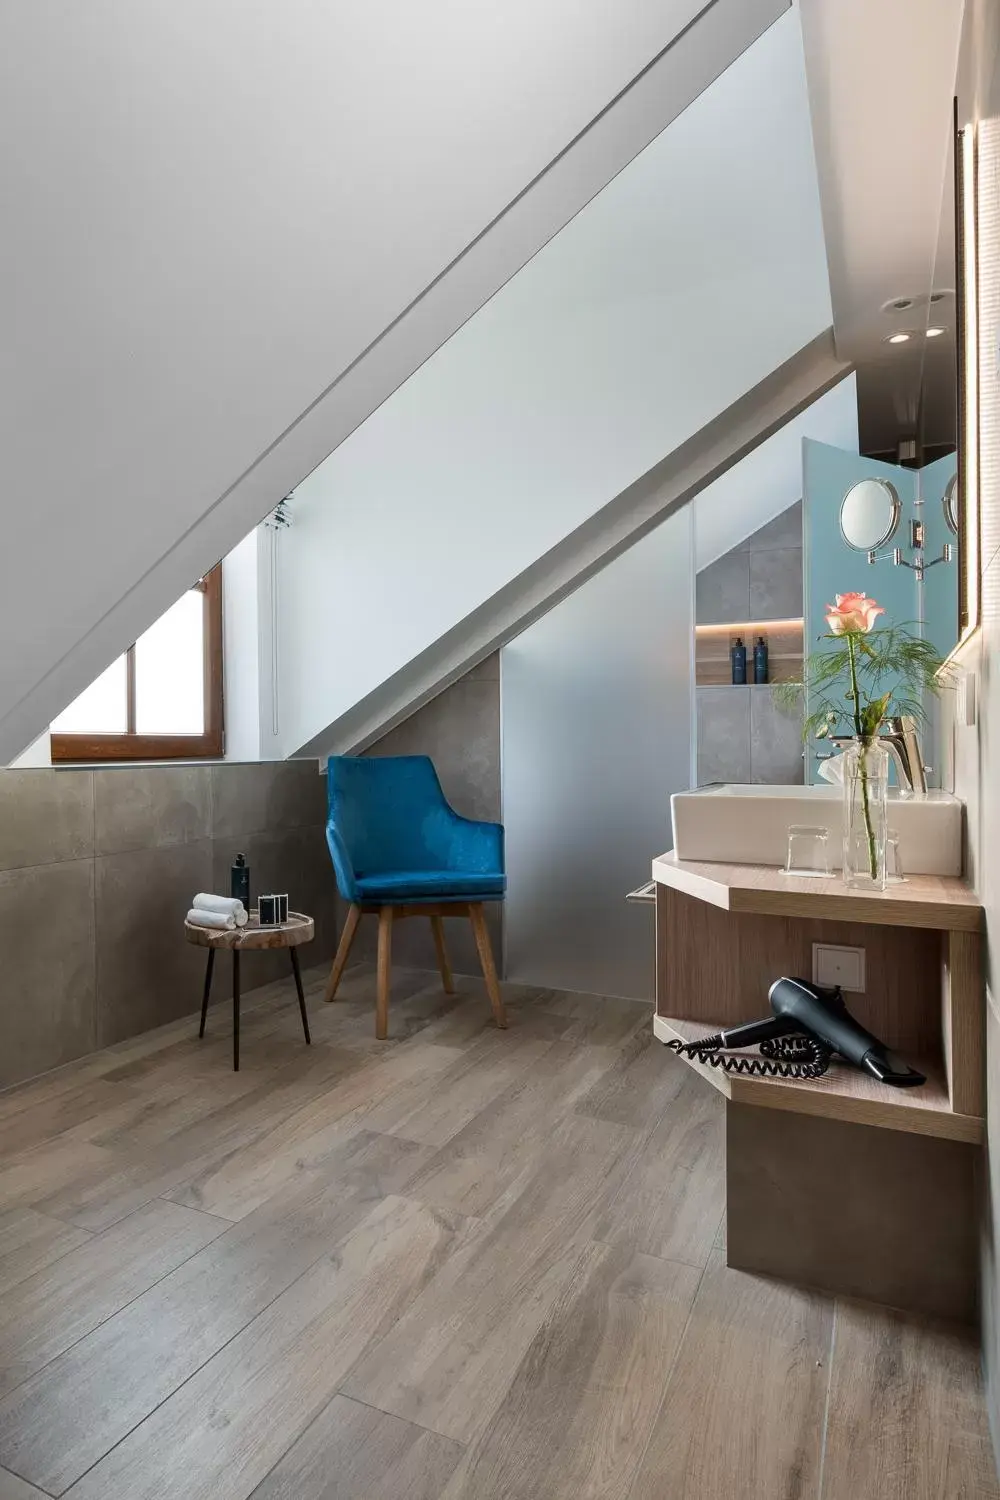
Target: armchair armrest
474,845
342,865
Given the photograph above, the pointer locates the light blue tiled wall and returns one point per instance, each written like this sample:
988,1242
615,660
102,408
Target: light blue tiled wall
832,567
941,585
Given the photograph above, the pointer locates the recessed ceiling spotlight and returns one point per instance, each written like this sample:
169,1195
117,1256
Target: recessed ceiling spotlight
940,294
897,304
935,333
897,338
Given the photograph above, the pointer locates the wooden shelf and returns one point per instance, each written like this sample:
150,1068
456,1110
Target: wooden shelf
715,674
744,627
843,1093
881,1223
934,901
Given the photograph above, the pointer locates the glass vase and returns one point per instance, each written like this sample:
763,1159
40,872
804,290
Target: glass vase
866,793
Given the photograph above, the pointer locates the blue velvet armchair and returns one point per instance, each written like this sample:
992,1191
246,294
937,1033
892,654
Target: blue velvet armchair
400,850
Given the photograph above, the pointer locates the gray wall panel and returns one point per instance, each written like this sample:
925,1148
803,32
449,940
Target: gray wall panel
596,734
116,854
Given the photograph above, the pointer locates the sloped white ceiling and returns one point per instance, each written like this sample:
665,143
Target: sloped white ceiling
691,277
212,213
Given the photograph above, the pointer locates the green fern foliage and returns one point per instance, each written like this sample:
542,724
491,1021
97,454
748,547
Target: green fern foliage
895,671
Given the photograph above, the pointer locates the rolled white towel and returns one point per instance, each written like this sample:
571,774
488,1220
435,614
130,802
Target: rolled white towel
199,917
232,906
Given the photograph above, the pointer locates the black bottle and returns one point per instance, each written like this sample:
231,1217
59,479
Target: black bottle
760,660
239,887
738,657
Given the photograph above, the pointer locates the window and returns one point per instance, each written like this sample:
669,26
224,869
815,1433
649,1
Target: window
162,699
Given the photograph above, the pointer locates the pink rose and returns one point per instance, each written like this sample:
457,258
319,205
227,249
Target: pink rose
852,612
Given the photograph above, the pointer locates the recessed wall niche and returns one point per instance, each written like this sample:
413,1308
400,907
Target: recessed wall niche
744,733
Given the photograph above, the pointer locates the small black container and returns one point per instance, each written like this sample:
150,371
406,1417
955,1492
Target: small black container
738,657
239,887
760,660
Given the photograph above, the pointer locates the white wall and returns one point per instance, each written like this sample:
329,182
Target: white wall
38,753
769,479
691,277
596,735
213,213
241,650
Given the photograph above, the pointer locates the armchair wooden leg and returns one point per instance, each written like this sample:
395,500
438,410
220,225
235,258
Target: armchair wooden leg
481,933
343,951
384,971
437,927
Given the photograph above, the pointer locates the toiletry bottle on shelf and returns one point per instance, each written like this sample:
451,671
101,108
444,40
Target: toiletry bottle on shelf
760,660
738,657
239,887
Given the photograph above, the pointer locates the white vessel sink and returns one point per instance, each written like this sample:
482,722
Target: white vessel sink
748,825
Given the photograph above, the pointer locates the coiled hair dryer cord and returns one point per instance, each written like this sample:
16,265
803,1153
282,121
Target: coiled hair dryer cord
781,1057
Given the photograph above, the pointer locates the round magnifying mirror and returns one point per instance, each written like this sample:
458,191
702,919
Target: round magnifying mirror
869,514
950,503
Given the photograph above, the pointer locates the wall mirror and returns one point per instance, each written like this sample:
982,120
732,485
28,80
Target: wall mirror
869,514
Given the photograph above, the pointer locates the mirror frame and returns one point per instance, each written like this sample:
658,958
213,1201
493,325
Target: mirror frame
896,511
967,331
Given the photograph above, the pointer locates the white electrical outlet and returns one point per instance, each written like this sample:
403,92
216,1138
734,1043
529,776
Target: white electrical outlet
843,966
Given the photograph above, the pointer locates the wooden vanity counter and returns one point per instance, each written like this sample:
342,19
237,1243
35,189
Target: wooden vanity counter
724,933
919,901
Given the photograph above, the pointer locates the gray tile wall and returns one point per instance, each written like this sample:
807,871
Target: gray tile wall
98,867
722,590
743,733
775,740
761,579
776,584
460,731
723,734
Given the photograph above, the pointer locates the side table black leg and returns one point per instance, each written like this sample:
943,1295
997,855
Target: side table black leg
208,991
236,1010
293,953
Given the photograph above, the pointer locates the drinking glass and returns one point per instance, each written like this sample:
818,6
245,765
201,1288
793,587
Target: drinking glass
808,850
894,873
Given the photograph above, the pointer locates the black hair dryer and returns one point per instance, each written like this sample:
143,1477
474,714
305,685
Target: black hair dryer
803,1009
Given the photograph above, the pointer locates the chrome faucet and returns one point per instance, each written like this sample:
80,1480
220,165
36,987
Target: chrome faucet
900,738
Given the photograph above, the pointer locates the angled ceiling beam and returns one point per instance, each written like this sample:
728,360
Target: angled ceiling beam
673,482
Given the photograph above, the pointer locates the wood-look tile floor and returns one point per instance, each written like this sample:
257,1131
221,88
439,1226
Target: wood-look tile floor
465,1264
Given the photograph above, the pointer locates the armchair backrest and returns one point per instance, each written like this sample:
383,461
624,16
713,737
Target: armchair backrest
385,813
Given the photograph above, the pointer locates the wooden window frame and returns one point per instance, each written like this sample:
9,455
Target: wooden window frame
133,746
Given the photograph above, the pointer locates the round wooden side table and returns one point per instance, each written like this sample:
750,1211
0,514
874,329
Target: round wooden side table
292,934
